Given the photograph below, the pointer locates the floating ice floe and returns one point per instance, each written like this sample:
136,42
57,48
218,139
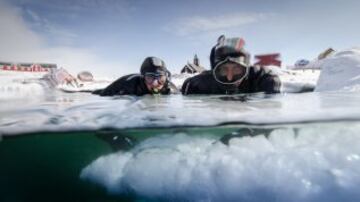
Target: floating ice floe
34,85
20,85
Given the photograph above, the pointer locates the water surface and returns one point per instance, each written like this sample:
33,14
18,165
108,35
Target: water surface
77,146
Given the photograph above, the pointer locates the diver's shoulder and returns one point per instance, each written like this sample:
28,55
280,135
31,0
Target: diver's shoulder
198,83
130,78
262,69
202,76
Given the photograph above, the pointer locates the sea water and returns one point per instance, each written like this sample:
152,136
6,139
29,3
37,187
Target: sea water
307,148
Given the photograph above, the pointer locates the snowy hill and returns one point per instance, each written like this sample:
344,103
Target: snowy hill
293,81
340,72
178,79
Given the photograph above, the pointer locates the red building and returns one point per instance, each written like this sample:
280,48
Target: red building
26,67
268,59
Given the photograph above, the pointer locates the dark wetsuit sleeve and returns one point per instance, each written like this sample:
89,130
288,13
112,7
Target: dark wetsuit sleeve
129,85
185,87
188,87
126,85
200,84
269,83
97,92
116,88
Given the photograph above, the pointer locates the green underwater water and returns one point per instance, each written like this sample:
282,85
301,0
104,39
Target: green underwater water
46,166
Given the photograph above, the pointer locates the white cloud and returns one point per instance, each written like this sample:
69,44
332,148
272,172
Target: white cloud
60,35
14,34
20,44
78,7
34,16
196,24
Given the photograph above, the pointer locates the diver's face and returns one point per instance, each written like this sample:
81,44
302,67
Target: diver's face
155,82
230,72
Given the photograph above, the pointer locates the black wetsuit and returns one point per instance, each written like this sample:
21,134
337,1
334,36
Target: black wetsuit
259,79
132,84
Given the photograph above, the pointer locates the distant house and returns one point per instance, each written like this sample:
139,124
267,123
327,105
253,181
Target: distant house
300,64
272,59
5,65
315,64
193,68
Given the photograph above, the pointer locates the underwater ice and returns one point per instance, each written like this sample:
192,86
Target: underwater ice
316,162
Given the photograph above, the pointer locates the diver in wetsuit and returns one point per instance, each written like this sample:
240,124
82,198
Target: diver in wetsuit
231,72
154,78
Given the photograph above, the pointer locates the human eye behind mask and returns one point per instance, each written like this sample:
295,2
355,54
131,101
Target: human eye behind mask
229,72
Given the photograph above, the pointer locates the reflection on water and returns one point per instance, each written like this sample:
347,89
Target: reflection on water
79,111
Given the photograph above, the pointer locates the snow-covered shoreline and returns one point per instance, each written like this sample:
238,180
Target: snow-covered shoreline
338,72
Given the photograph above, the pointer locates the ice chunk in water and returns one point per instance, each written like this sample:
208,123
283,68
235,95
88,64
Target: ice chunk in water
318,162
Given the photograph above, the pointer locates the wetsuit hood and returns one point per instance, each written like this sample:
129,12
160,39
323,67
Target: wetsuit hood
153,65
229,48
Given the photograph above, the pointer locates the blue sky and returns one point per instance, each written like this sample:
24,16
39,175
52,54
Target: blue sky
112,37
